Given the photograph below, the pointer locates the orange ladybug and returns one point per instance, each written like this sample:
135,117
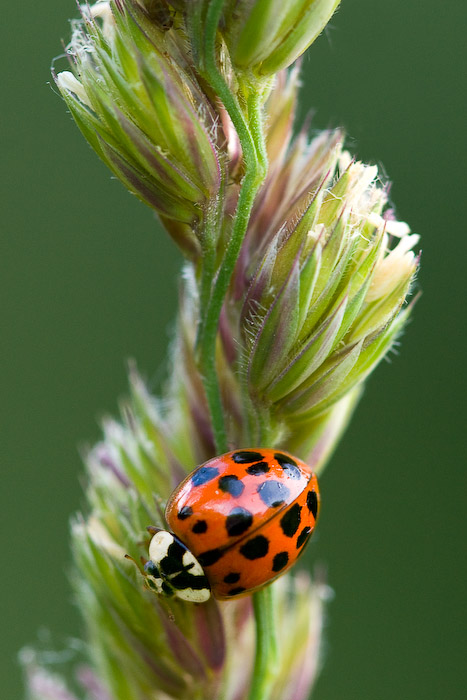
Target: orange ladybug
238,522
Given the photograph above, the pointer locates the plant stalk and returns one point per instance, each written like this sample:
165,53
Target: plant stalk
251,137
252,180
266,656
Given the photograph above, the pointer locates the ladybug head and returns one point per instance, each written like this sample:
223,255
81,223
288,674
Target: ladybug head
172,570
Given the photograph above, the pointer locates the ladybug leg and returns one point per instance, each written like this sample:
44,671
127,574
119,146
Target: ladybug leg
153,530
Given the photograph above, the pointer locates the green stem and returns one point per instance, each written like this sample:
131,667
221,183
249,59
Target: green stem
266,658
251,136
207,273
211,72
211,228
252,180
256,123
264,608
249,188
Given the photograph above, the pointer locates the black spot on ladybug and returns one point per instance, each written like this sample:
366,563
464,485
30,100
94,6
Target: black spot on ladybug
184,512
173,561
238,521
279,561
289,465
312,503
258,469
256,548
210,557
231,484
290,522
246,457
232,578
185,580
203,475
303,536
176,550
273,493
199,527
236,591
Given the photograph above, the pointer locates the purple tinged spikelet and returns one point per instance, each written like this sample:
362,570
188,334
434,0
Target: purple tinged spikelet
145,114
311,307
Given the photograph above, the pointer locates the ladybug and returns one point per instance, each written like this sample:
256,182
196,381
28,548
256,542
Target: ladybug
237,522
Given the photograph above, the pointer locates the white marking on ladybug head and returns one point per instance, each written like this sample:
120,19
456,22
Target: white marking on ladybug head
159,545
191,595
189,560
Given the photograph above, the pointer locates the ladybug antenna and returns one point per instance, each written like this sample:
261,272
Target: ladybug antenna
127,556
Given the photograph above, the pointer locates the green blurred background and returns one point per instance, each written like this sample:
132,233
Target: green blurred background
88,280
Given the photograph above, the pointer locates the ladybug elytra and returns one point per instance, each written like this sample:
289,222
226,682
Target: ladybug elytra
238,522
